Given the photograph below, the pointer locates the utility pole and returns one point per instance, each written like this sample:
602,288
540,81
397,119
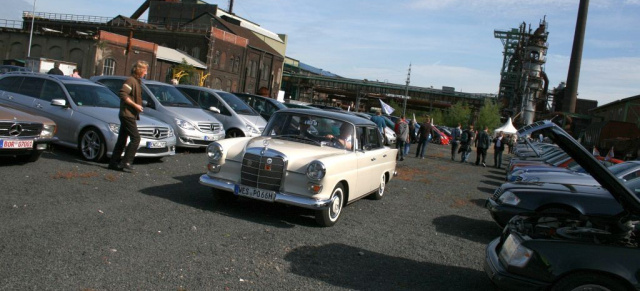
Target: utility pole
406,93
33,17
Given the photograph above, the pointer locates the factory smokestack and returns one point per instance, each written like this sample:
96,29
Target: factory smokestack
571,94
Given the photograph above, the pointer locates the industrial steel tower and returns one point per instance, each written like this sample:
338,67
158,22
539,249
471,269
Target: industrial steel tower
523,83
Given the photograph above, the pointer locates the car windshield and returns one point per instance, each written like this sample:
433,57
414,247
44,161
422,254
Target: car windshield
319,130
236,104
170,96
90,95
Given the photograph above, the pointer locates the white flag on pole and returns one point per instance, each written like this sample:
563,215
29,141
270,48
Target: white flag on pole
386,108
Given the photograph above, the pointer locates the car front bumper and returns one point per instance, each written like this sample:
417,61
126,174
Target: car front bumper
501,277
285,198
39,144
501,213
191,140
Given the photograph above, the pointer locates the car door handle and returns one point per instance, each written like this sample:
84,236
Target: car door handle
384,156
10,97
39,105
373,159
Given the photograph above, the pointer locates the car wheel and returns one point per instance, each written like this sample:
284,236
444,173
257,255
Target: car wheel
92,145
380,192
589,281
32,157
234,133
330,215
223,196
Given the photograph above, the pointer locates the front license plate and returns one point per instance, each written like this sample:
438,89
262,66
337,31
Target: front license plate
210,138
16,144
255,193
156,144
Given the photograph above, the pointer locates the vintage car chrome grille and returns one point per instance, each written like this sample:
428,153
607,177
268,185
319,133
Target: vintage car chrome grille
21,129
497,193
264,172
153,132
209,127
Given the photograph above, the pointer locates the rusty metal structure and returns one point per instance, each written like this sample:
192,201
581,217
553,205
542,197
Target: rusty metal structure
523,82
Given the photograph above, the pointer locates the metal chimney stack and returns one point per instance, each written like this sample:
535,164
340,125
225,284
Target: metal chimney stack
571,94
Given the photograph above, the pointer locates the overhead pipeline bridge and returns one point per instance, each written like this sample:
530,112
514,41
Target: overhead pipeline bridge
364,94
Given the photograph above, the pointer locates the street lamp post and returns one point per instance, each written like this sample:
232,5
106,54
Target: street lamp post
406,93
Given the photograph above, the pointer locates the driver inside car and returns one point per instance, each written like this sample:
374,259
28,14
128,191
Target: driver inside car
345,139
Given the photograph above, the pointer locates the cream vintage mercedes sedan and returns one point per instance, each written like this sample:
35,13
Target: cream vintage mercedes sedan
315,159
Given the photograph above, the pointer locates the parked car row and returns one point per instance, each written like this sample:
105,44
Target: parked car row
574,229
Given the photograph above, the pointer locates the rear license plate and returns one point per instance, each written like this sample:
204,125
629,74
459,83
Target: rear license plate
156,144
255,193
16,144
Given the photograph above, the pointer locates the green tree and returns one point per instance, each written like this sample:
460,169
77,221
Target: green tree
458,113
189,73
437,116
397,109
489,115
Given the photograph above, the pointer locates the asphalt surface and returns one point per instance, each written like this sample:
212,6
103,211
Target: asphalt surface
68,224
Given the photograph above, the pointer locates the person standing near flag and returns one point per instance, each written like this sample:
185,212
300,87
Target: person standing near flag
402,133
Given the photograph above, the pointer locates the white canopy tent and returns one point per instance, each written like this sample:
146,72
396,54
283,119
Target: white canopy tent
507,128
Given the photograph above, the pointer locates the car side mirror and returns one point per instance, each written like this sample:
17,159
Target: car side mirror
59,102
214,109
145,103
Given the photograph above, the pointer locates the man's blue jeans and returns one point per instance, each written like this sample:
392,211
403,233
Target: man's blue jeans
422,147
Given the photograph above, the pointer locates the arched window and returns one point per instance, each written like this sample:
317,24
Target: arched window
254,69
231,63
55,52
266,73
216,61
109,67
217,83
223,60
236,65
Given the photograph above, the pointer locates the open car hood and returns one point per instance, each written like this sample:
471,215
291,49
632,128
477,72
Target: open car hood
619,191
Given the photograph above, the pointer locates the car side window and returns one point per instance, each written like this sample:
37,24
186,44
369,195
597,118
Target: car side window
51,91
360,141
113,85
373,138
10,84
31,87
631,176
270,108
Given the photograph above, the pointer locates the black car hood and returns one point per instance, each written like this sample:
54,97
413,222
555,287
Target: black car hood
553,187
619,191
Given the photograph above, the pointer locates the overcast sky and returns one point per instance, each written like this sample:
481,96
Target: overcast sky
447,42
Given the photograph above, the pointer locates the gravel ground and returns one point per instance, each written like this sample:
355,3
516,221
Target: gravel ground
69,224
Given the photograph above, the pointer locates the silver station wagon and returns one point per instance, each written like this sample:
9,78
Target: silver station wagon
194,127
86,114
313,159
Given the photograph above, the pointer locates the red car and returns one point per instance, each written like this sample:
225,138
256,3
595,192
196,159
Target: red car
439,137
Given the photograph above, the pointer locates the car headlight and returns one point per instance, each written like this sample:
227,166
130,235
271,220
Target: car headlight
185,124
316,170
509,198
48,131
170,132
513,253
252,129
214,152
114,127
